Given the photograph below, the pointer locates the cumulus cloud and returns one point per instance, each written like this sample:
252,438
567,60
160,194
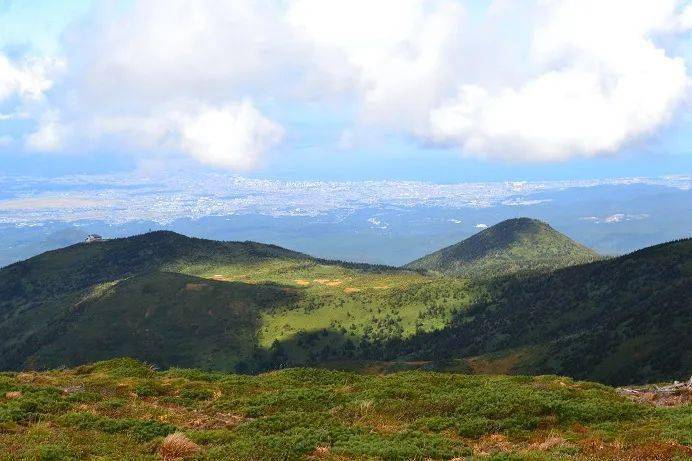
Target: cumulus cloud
234,136
598,81
28,79
49,135
397,54
686,18
537,80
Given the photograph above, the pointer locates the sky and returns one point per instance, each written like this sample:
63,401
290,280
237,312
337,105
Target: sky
432,90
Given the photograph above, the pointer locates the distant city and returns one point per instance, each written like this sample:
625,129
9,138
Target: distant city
118,199
387,222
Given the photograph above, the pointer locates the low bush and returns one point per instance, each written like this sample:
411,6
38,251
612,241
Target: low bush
139,429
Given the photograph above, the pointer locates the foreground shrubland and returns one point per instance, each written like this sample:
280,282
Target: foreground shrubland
122,409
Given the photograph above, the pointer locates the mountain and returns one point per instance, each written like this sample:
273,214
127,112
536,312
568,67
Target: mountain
178,301
137,296
514,245
622,320
171,300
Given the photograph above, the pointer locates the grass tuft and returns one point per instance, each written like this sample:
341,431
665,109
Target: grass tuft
177,445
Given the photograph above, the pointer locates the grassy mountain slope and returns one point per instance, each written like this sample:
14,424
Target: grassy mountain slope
628,319
52,305
513,245
173,300
122,409
82,265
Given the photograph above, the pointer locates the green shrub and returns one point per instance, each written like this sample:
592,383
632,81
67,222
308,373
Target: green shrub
32,405
436,423
111,404
53,453
139,429
474,426
196,393
150,389
121,368
403,446
84,397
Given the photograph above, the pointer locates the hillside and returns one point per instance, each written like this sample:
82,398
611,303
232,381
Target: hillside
623,320
122,409
242,306
514,245
91,301
174,300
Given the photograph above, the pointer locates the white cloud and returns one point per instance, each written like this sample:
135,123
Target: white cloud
396,54
686,18
521,201
234,137
481,226
174,76
537,80
49,136
597,82
28,79
615,218
376,223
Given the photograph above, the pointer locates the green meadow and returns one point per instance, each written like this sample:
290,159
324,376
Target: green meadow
124,409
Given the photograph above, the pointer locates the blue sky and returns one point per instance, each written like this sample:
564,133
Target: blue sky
434,90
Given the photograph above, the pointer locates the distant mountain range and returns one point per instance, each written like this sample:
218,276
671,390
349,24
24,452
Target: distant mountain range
502,299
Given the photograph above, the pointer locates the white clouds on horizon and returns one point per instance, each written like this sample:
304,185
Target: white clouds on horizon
615,218
540,81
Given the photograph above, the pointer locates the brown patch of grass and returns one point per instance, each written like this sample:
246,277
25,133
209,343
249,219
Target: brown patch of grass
549,443
321,451
597,448
659,451
177,446
492,443
329,282
13,395
351,290
215,421
26,377
302,282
